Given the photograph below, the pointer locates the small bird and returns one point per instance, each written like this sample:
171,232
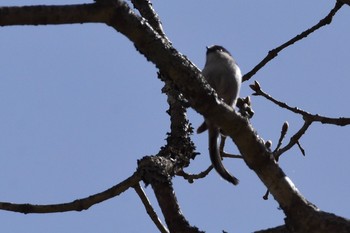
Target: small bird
223,74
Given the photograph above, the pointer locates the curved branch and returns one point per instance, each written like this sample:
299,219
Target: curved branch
77,205
345,1
191,177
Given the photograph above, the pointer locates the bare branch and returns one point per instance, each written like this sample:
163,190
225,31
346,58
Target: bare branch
279,144
146,10
156,170
345,1
274,52
191,177
279,229
223,153
45,14
179,143
77,205
232,156
294,140
301,148
149,209
341,121
167,200
266,195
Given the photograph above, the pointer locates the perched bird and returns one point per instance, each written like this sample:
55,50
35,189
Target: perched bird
223,74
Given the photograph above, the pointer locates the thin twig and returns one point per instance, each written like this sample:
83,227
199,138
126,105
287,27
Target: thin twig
294,140
223,153
283,134
301,148
232,156
266,195
149,208
274,52
340,121
191,177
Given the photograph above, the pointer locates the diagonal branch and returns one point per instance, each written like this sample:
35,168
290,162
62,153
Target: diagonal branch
171,209
157,171
146,10
150,209
274,52
77,205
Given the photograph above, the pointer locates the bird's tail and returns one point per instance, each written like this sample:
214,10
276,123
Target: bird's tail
215,156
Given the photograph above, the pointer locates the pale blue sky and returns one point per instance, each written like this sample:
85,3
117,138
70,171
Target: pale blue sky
79,107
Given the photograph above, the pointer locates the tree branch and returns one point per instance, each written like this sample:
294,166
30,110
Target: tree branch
293,140
156,170
274,52
52,15
149,209
146,10
279,229
191,177
340,121
77,205
345,1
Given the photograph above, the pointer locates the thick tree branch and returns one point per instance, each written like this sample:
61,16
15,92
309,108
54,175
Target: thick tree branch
279,229
345,1
52,15
157,171
171,210
179,144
